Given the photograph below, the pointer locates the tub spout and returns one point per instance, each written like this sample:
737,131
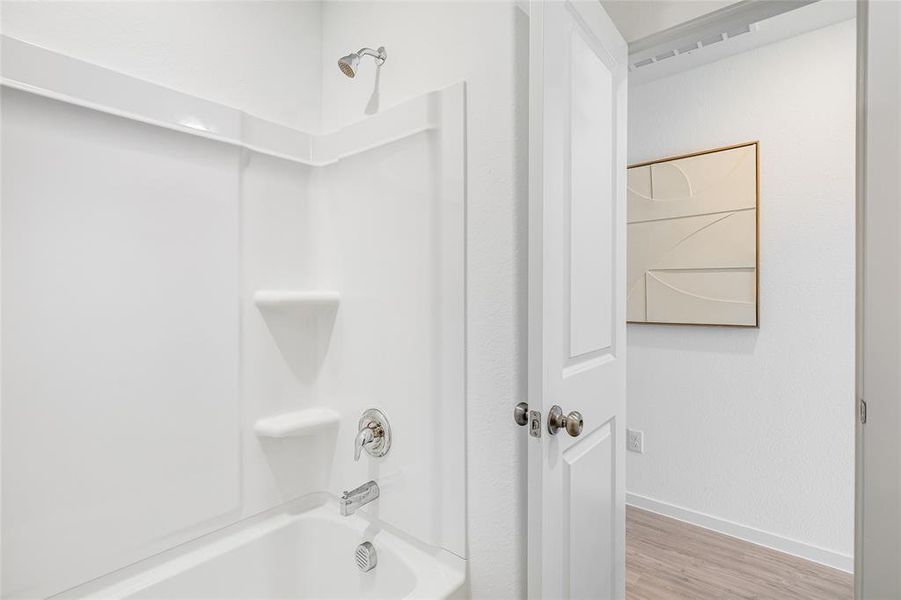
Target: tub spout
351,500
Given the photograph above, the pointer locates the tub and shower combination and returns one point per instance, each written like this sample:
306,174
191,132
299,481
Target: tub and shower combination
221,297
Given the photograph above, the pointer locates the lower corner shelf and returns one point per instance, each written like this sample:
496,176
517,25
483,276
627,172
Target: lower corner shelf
297,424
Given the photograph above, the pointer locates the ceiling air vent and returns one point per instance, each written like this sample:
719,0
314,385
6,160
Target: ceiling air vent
688,48
712,39
738,31
685,48
728,22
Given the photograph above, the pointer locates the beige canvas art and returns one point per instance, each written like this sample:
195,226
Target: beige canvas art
692,239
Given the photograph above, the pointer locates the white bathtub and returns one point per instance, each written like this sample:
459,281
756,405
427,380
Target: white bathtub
303,552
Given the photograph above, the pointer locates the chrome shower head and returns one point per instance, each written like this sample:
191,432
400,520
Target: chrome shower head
348,64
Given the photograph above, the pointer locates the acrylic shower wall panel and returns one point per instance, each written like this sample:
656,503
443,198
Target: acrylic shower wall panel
120,341
390,234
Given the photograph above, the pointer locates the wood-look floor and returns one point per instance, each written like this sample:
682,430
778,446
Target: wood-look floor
671,560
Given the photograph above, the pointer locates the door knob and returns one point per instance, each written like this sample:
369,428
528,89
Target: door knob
557,420
521,414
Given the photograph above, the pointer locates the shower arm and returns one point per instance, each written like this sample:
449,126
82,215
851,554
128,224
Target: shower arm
380,55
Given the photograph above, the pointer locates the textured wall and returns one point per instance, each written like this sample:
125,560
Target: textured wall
431,45
755,426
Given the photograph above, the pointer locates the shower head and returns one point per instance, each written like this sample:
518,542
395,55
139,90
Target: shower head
348,64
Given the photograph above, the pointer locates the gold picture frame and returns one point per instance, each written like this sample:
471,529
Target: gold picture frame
756,239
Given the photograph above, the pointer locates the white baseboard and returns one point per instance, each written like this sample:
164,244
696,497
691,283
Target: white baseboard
809,552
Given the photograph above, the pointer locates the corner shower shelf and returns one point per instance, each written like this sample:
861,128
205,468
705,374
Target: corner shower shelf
296,299
297,424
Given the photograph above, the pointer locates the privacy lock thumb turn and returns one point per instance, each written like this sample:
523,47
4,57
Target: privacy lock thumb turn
521,414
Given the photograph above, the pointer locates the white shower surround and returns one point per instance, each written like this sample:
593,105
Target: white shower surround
288,191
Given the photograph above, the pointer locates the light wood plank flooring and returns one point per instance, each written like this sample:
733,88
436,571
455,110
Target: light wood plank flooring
671,560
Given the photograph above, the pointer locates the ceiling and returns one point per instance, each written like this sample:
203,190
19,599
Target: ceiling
640,18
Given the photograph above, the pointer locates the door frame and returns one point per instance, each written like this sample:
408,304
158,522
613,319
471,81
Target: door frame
877,551
863,201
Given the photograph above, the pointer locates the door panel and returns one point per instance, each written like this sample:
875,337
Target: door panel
591,216
590,484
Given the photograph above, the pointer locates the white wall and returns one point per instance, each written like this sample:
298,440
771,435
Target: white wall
485,44
755,426
260,57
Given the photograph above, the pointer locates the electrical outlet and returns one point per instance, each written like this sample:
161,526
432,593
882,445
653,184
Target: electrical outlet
635,440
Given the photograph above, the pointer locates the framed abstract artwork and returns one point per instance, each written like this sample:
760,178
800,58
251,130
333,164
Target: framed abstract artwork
693,239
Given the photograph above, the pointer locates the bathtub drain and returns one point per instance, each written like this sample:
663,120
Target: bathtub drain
366,557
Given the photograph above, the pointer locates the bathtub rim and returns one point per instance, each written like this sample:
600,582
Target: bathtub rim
451,569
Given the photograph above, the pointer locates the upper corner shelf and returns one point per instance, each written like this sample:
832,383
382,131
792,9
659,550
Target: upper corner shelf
294,299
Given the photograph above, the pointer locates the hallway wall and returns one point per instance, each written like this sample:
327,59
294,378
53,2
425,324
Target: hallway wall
751,430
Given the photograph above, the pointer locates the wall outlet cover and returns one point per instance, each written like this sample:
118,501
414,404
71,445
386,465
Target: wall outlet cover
635,441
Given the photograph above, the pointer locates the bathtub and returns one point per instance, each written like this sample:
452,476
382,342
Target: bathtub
301,552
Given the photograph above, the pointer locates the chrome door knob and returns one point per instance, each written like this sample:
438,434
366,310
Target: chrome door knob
557,420
521,414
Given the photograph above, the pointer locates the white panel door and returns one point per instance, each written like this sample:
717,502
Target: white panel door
576,301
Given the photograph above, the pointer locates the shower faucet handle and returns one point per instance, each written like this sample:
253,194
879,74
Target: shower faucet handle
373,434
364,437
